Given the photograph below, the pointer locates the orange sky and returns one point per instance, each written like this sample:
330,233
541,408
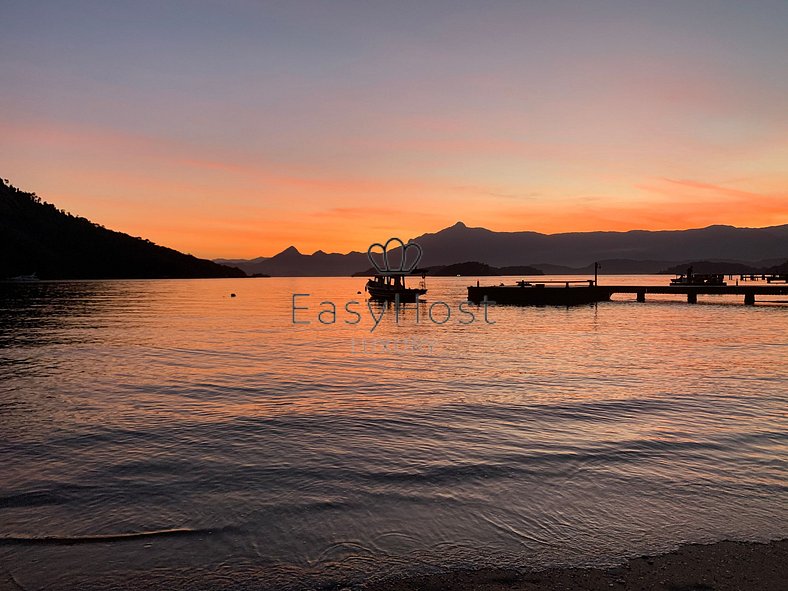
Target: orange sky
237,133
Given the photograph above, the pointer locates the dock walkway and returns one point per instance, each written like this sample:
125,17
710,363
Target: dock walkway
582,292
693,291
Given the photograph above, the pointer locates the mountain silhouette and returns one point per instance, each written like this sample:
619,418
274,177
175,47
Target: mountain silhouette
729,268
636,251
460,242
467,269
291,263
36,237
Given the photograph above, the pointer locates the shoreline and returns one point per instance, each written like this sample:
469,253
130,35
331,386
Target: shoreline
720,566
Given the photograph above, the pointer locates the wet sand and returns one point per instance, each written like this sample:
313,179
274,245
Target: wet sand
724,566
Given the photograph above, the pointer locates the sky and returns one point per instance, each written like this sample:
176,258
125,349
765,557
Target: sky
238,128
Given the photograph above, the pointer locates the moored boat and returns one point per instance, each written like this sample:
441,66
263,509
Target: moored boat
392,288
690,278
699,279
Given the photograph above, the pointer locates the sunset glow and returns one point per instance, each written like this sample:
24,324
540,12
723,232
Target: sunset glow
236,131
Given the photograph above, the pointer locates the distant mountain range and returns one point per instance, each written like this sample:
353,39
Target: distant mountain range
637,251
630,267
471,268
36,237
291,263
730,268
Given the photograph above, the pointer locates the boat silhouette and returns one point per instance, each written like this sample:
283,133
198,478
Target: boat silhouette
391,287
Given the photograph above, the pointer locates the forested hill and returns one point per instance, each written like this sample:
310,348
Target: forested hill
37,237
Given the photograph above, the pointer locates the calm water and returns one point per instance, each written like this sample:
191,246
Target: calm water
238,450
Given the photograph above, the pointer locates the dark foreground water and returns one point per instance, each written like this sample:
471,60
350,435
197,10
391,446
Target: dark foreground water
160,434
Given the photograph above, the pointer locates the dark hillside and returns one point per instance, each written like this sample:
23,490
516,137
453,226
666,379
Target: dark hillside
36,237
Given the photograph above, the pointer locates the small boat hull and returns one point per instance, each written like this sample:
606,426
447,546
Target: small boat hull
539,295
384,294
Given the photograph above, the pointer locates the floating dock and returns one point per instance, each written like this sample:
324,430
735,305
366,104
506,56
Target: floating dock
542,293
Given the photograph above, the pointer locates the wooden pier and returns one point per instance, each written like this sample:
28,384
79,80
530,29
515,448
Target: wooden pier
693,291
767,277
572,293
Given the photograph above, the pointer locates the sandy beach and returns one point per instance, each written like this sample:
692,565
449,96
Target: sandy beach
724,566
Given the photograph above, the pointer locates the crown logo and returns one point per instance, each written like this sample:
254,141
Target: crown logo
378,255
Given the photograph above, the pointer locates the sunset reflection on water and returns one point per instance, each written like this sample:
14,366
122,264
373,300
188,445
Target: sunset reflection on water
554,435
